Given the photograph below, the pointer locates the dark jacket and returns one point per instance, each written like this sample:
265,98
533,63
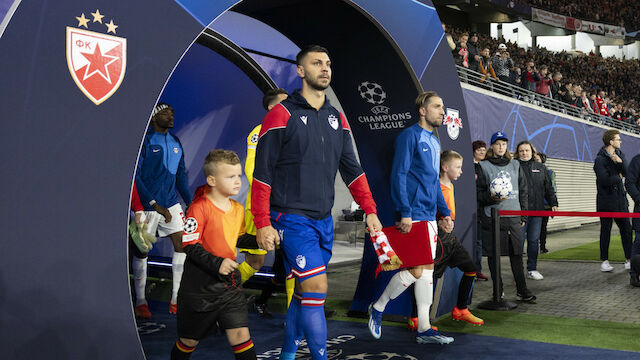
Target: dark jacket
298,155
510,231
632,184
611,193
540,185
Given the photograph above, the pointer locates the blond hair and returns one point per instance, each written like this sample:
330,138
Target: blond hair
216,157
447,156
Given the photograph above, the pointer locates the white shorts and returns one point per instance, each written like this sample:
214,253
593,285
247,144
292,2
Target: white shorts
157,221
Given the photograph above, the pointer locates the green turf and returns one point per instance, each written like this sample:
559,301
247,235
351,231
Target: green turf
590,251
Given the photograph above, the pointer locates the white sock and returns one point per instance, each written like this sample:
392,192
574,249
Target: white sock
177,267
424,299
398,283
139,279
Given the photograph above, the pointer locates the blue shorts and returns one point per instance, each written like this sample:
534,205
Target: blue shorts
305,243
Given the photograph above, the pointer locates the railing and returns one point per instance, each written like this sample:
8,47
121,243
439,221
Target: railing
504,88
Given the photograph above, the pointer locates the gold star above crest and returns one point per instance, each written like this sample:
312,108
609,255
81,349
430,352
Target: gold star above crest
111,27
82,21
97,17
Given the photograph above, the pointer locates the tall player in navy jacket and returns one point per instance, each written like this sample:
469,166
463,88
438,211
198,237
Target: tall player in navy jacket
303,142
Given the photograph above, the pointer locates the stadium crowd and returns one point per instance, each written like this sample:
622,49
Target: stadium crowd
614,12
599,86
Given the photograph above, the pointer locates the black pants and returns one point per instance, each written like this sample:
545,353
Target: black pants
517,269
605,236
543,232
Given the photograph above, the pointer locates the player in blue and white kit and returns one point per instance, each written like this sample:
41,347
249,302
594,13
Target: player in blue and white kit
417,196
303,142
160,172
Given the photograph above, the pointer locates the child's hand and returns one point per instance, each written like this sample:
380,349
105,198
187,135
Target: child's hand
227,266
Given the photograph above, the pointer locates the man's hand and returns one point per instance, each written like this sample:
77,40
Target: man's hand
267,237
162,211
554,208
373,224
446,224
616,158
227,267
499,199
404,225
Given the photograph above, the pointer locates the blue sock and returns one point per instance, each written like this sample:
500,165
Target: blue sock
293,333
314,324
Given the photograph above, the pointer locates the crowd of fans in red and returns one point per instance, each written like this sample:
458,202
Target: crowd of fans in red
599,86
623,13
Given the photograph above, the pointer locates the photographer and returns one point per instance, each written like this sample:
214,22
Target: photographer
542,85
530,76
502,63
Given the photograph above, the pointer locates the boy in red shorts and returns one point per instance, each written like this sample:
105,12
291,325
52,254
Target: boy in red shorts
210,293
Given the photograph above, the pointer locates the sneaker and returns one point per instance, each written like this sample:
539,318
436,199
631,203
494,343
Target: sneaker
328,313
375,322
627,265
544,250
142,311
535,275
173,308
262,311
465,315
481,277
635,281
605,267
433,337
526,295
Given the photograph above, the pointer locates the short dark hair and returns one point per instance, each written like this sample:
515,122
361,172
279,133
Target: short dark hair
423,99
478,144
271,95
219,156
308,49
543,157
609,135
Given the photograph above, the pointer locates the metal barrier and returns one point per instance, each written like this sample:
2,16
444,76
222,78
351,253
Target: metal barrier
507,89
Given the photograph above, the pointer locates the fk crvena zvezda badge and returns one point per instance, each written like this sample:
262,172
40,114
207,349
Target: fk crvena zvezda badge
96,61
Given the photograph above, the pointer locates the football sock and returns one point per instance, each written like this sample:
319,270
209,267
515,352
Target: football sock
290,285
139,267
181,351
314,324
398,283
177,267
464,288
244,351
293,332
246,271
424,298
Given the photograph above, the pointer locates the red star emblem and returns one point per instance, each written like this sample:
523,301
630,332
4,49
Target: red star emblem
98,63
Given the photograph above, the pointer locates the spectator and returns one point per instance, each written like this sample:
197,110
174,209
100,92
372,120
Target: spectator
499,164
542,85
542,158
530,76
461,53
515,76
540,189
502,63
474,52
484,65
479,152
610,169
632,184
450,42
557,89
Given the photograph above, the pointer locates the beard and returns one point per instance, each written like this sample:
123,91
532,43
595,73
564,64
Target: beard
316,85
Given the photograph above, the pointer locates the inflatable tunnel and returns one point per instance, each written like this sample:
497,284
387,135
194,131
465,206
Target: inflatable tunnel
65,279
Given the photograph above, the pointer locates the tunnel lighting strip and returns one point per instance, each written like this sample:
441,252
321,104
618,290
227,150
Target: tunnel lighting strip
169,265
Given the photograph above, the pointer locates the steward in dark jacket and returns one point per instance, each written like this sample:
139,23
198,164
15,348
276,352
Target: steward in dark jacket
632,183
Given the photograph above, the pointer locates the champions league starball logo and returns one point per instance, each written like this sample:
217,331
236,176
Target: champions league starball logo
382,118
96,60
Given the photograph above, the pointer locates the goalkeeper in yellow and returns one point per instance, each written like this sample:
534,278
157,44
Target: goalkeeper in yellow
256,256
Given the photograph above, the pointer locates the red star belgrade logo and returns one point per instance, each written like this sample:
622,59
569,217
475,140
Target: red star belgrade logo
96,61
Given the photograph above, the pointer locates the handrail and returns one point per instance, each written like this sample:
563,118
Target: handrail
504,88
